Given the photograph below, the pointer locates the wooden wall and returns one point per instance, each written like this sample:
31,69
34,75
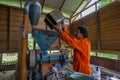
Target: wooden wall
104,27
110,26
9,28
109,63
4,28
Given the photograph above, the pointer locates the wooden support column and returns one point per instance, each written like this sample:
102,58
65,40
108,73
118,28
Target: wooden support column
118,56
97,26
22,68
19,52
97,53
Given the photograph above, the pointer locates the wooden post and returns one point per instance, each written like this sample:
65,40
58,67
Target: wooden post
19,53
23,71
118,54
9,29
98,27
97,53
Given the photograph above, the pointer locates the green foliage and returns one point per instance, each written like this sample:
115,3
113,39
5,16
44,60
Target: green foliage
15,3
110,56
93,54
105,55
31,42
103,3
9,58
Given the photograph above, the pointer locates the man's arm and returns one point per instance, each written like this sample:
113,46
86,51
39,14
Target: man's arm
70,40
67,37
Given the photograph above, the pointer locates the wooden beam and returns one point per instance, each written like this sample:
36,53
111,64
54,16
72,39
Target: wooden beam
62,5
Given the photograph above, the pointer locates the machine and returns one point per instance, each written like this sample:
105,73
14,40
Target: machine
44,39
31,62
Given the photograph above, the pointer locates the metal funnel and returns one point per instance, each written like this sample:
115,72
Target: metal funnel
34,13
33,9
45,38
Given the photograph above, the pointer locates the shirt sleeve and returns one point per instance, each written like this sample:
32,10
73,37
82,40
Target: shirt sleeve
69,39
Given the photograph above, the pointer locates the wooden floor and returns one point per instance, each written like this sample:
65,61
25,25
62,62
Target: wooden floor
108,72
9,75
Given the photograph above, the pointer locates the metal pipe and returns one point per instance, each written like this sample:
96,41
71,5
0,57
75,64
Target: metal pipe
40,66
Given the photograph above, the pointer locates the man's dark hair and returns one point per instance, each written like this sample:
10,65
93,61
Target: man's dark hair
83,30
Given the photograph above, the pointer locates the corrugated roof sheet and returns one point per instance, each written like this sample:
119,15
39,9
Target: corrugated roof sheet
67,7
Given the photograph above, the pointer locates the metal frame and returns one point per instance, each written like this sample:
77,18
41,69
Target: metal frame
86,8
77,8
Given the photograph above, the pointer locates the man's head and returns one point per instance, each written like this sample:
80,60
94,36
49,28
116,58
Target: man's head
82,31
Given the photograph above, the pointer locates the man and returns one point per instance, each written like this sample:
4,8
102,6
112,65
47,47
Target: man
81,45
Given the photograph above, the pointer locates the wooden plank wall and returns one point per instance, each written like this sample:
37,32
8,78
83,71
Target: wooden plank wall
108,27
109,63
3,28
90,22
15,22
11,19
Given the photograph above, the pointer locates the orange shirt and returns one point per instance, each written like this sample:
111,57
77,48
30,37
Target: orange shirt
81,58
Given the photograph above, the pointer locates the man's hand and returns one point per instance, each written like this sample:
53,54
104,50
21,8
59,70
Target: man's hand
59,27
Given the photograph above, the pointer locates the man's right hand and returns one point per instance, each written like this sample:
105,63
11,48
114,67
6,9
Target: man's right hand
59,27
